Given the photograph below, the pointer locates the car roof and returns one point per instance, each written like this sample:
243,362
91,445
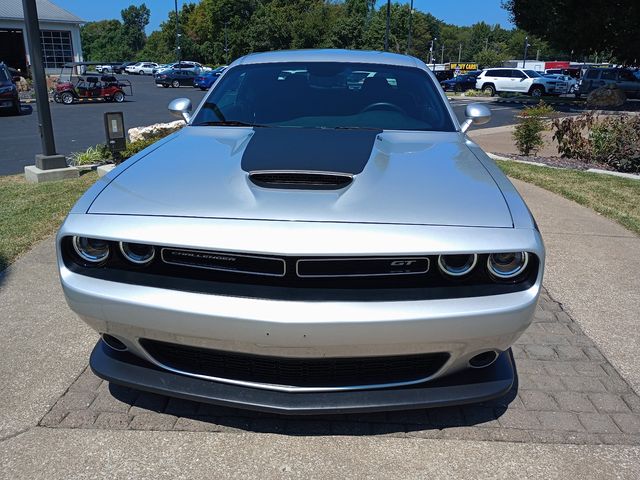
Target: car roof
331,55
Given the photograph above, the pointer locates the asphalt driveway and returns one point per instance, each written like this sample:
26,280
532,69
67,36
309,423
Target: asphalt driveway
79,126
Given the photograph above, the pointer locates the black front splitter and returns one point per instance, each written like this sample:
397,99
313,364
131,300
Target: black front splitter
469,386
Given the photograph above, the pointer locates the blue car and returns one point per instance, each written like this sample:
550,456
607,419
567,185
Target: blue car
205,79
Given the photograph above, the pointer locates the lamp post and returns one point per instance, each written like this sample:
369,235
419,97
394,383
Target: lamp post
433,59
442,54
410,22
226,44
526,48
178,53
459,52
386,33
49,165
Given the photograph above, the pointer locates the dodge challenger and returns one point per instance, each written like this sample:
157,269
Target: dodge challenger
313,240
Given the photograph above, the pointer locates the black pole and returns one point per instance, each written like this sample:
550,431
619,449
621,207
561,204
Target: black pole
410,22
386,34
38,77
177,34
526,47
226,45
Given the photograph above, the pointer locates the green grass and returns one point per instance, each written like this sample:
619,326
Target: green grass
614,197
29,211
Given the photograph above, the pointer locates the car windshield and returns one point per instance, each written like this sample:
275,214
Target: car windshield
532,73
326,95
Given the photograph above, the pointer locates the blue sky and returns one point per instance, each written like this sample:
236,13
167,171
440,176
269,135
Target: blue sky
459,12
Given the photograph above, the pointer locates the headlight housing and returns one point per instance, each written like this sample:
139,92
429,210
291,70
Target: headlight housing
457,265
137,253
91,250
507,265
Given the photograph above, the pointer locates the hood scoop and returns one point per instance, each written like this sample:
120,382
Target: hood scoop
301,180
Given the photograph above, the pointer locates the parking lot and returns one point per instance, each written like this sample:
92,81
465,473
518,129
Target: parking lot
79,126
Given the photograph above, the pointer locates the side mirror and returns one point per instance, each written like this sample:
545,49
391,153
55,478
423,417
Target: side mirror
181,107
477,114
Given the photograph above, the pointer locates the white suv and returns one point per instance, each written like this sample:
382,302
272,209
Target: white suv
518,80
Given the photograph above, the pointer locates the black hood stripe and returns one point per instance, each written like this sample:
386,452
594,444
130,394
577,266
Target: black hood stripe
309,149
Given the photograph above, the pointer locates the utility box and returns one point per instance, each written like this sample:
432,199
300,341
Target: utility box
114,129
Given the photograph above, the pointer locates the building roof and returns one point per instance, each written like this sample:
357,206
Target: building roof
47,11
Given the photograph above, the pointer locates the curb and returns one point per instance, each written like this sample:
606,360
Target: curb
598,171
531,102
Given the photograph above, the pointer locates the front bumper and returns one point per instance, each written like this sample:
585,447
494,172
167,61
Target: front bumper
468,386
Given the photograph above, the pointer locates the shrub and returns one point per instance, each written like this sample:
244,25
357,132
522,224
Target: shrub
614,141
531,124
137,146
91,155
475,93
568,132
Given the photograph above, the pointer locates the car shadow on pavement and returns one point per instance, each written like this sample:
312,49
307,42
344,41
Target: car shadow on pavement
186,415
24,110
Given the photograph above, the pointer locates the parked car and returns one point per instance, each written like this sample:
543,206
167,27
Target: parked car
496,80
461,83
9,98
121,68
161,67
204,80
305,247
570,82
184,65
175,78
622,78
141,68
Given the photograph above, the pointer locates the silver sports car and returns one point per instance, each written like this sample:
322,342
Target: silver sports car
321,236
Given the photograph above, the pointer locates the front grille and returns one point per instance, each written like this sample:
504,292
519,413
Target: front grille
301,180
295,372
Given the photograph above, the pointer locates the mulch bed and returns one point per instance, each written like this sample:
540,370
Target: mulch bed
558,162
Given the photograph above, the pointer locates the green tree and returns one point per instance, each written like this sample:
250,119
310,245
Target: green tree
584,26
103,41
134,21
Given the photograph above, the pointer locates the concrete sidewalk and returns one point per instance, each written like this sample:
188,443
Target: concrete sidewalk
592,268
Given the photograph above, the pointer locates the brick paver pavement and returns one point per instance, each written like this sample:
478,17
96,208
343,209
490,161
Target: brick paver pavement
566,392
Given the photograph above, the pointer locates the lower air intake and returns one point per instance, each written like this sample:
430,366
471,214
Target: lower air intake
295,372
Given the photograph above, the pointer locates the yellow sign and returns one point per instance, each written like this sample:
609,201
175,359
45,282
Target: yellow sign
464,66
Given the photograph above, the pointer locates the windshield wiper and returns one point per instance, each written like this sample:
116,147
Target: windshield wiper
229,123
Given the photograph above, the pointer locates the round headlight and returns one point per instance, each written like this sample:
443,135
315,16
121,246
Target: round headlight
457,265
137,253
92,250
507,265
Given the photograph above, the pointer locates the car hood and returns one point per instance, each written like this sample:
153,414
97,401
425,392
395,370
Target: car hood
425,178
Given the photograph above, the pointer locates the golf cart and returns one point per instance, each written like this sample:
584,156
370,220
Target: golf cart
72,87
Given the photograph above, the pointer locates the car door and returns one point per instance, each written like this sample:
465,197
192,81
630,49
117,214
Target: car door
518,81
628,83
589,81
186,77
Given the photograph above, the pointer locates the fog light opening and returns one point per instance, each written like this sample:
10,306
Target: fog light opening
113,342
483,359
